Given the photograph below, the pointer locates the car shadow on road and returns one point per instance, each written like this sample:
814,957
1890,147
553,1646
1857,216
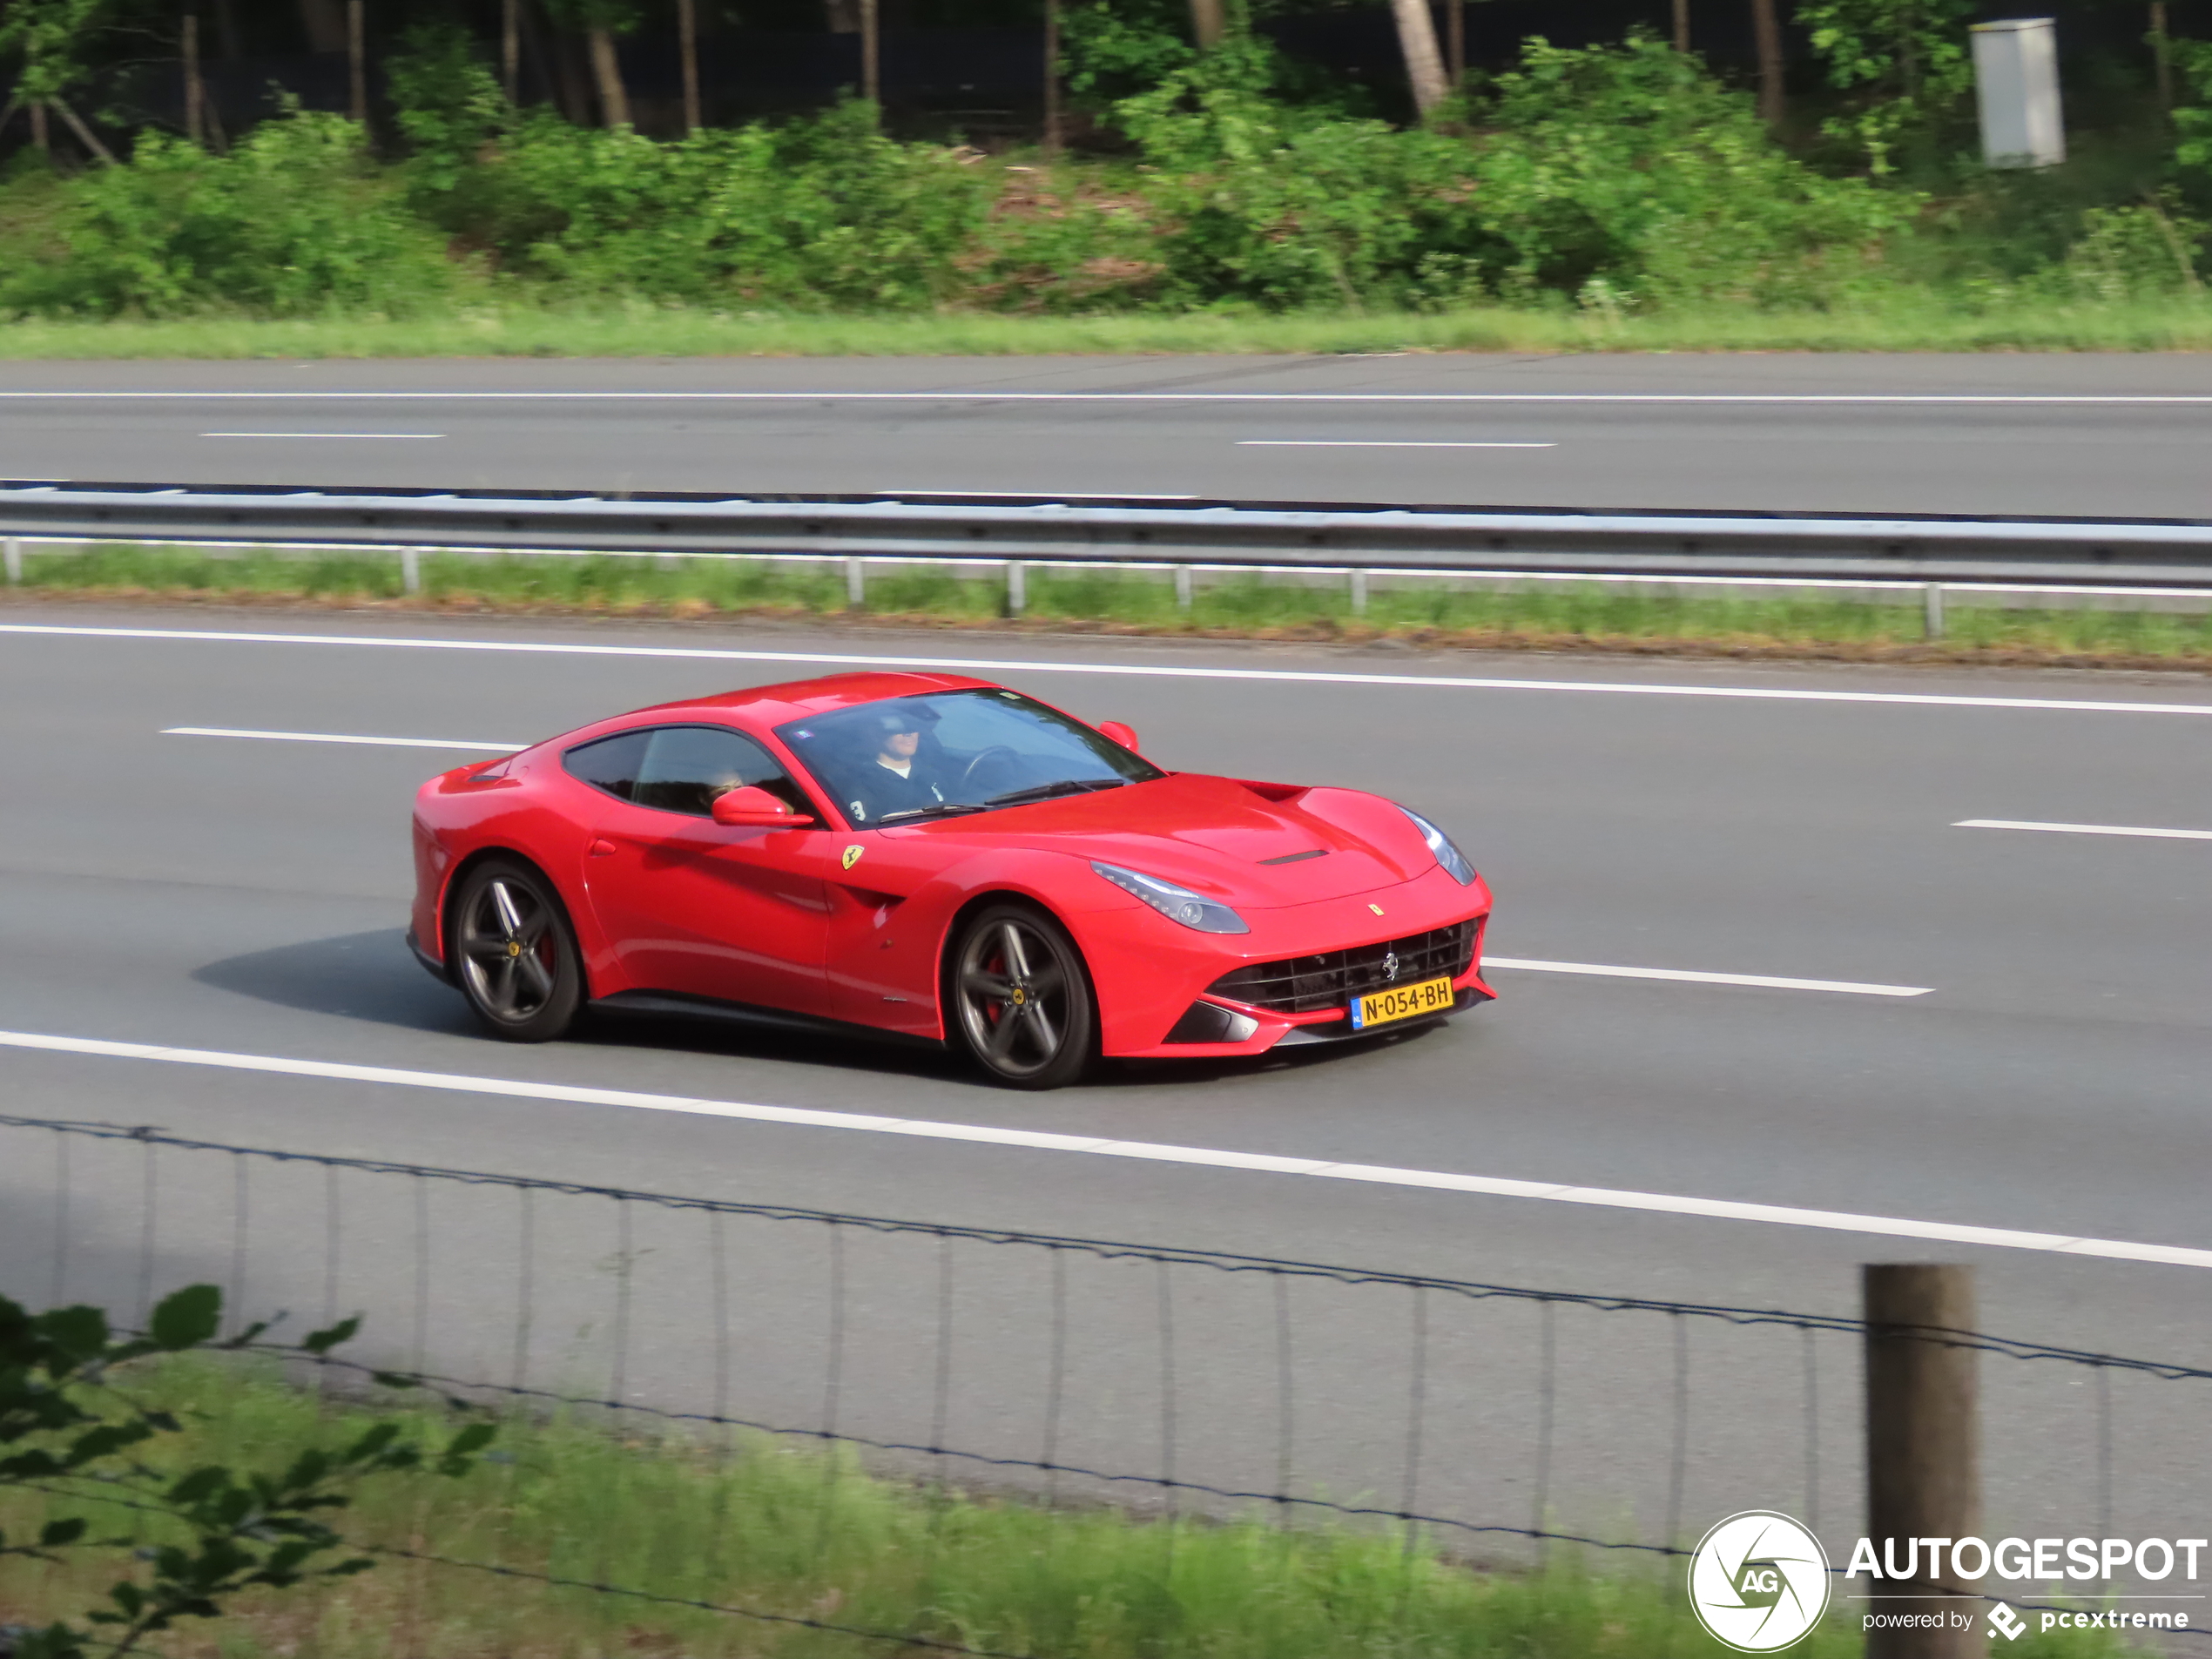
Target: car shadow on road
372,976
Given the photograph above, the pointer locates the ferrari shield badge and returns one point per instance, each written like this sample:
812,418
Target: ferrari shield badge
853,855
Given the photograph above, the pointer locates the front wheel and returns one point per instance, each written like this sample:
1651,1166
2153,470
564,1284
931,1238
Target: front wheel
518,963
1021,999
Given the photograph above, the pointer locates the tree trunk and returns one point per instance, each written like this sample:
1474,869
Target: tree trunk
1455,42
1681,25
1208,23
687,29
872,53
2161,57
226,29
606,73
39,137
85,136
325,23
192,93
1767,26
510,48
1424,64
842,15
357,59
1052,134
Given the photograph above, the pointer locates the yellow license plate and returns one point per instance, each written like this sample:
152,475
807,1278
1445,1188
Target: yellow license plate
1401,1002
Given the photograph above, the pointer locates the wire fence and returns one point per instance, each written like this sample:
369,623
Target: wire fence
1498,1422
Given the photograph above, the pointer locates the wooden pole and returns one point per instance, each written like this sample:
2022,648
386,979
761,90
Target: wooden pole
687,28
872,53
1923,1455
357,58
510,48
1052,133
193,106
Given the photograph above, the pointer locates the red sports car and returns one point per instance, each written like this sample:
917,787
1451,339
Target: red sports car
934,857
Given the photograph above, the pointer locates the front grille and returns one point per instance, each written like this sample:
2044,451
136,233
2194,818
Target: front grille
1309,984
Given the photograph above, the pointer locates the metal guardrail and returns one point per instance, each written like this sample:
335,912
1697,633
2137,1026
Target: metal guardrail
2137,557
2106,553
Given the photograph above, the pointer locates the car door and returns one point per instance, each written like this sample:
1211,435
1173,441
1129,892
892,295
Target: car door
689,906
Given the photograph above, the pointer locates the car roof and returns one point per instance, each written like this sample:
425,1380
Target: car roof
795,700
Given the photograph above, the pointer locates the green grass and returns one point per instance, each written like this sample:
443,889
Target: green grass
1914,321
760,1526
1550,616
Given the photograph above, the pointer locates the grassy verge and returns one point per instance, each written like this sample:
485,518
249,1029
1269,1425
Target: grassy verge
1433,615
784,1532
1912,322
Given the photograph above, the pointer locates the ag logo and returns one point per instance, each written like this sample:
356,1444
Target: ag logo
1758,1582
853,855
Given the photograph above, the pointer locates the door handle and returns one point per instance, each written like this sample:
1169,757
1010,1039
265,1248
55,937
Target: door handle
600,847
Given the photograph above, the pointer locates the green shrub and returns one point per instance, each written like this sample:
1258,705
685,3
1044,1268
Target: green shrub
295,220
820,215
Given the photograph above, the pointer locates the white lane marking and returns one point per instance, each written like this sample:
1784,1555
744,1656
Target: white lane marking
1847,987
322,434
1493,1186
1034,494
333,737
984,666
2083,829
1930,398
1383,444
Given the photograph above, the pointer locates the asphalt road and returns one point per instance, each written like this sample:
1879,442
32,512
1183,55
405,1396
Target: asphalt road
247,896
2020,435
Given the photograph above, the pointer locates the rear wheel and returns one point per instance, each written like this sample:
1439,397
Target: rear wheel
516,952
1021,999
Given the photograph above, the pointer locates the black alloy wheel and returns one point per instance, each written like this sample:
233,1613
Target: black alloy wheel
516,952
1021,1000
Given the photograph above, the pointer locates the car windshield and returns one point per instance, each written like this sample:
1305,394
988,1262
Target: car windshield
949,752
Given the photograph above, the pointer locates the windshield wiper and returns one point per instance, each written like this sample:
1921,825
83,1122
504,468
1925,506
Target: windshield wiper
1048,792
940,809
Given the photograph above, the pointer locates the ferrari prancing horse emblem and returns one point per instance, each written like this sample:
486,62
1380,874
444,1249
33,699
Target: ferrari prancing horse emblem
853,855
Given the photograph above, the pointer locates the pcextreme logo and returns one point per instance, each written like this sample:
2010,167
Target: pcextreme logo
1758,1582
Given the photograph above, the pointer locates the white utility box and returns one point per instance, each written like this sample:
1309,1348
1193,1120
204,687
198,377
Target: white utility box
2016,81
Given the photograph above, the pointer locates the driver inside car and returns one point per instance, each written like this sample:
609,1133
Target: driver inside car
900,776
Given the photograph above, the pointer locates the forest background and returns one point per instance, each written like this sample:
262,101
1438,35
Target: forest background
379,159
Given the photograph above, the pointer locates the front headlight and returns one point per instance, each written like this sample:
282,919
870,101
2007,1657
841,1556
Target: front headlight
1176,904
1441,844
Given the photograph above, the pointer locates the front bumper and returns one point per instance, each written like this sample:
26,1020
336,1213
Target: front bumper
1150,972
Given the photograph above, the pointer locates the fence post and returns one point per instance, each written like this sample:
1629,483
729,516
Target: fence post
14,550
856,584
1017,589
411,570
1183,587
1923,1456
1358,593
1931,610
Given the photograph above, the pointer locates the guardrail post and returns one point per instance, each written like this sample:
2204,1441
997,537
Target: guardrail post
1358,593
1183,587
14,552
411,570
856,584
1923,1458
1017,589
1931,610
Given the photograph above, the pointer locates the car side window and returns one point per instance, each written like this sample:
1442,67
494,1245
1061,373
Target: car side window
609,764
684,767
